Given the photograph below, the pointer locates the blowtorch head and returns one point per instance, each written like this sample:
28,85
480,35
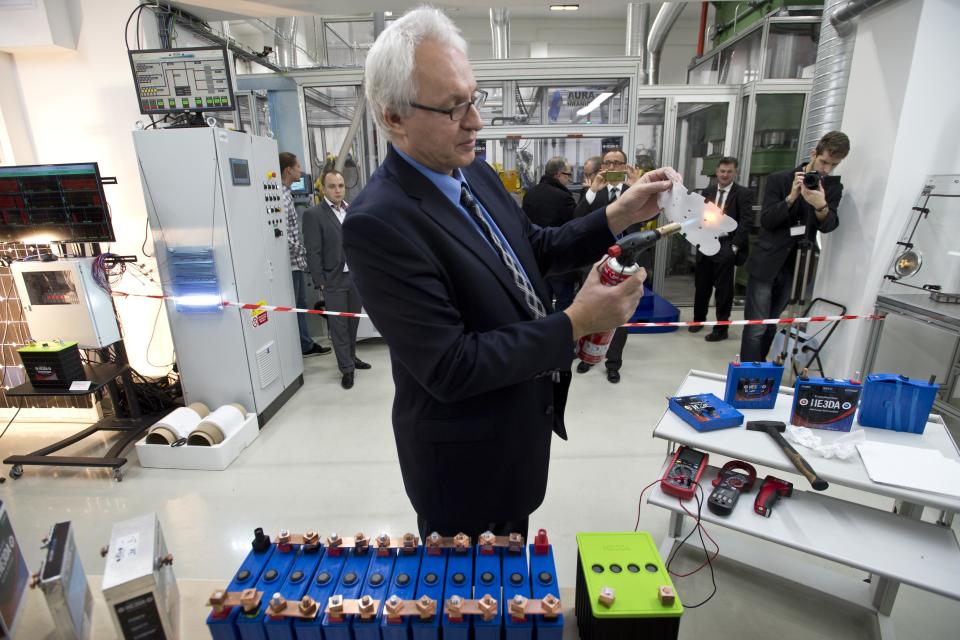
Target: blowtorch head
629,247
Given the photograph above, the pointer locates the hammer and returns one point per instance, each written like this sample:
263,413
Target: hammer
774,429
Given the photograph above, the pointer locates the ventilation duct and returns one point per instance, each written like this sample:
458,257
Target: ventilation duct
662,24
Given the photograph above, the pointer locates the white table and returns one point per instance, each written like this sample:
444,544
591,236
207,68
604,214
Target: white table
894,547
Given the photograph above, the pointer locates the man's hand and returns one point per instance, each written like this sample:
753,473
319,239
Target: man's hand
598,182
795,190
817,198
601,308
639,202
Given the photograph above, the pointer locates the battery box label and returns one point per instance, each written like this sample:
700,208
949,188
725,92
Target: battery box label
700,410
825,407
754,388
139,619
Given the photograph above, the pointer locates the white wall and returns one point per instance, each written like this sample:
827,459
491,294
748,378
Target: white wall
81,106
900,111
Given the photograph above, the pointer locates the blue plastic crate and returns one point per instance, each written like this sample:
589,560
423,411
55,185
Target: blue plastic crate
896,402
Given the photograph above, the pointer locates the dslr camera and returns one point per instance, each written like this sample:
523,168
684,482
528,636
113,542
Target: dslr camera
811,180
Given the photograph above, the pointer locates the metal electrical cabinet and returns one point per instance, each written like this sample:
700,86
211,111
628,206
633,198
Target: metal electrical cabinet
210,187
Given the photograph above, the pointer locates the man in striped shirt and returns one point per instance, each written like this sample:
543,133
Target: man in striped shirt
289,173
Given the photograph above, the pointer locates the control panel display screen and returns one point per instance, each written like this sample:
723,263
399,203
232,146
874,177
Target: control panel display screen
182,80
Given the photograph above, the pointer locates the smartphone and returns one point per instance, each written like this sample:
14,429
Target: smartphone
615,176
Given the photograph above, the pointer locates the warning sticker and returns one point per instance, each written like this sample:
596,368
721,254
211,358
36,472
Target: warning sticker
259,316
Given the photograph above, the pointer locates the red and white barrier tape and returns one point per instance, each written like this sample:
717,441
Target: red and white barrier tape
714,323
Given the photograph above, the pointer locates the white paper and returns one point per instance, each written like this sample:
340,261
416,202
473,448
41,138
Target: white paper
911,467
702,223
797,230
80,385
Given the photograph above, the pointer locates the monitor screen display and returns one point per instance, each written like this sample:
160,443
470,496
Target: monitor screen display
182,80
54,203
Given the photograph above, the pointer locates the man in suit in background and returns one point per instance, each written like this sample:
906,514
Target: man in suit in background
550,204
791,213
323,237
715,273
601,192
450,271
591,167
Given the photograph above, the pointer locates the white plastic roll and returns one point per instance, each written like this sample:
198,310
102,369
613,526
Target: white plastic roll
177,424
218,426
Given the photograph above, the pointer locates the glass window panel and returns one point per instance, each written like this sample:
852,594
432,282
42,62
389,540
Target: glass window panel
776,136
329,114
791,50
348,42
579,102
707,72
740,62
648,154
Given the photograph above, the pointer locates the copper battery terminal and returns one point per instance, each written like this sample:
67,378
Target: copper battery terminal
248,599
518,607
217,598
367,607
308,607
409,543
433,543
393,607
515,543
334,542
461,543
666,595
454,608
383,543
361,543
426,607
277,604
311,539
486,541
283,538
607,596
335,607
551,606
488,607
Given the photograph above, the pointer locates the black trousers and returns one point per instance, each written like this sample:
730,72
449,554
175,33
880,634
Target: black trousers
472,529
713,278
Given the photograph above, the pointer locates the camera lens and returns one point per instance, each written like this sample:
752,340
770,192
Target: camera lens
811,179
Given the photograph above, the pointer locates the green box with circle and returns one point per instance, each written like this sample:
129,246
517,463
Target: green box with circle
630,564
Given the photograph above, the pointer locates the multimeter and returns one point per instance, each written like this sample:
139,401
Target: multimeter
734,478
684,472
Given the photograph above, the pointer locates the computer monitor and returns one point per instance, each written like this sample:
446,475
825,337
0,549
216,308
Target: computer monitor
303,186
54,203
182,80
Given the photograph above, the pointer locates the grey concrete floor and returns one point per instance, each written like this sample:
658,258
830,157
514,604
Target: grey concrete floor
327,461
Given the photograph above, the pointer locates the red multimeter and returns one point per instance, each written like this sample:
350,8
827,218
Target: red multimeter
684,473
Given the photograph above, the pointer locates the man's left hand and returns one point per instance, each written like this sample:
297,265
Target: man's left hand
816,198
639,202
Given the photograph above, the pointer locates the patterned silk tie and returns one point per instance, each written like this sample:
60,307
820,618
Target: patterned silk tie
529,295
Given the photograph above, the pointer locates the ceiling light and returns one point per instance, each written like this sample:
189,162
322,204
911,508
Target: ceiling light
388,14
596,102
564,7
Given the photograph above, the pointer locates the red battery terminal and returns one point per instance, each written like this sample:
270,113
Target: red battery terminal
541,545
334,545
856,379
361,543
461,543
486,542
433,544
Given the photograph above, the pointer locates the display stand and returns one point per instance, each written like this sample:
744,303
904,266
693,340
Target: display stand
894,547
130,427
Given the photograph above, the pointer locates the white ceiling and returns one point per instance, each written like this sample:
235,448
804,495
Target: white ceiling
240,9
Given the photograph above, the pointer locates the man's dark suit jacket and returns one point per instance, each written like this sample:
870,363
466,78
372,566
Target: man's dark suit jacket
475,406
549,204
739,206
323,239
775,245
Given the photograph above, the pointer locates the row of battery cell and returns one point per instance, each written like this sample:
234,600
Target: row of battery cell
294,571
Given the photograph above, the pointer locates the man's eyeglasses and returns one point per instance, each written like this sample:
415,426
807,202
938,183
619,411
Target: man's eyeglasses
613,163
458,112
569,174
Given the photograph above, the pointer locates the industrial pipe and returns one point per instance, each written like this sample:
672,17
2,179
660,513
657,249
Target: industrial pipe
500,32
703,28
662,24
285,42
638,24
842,18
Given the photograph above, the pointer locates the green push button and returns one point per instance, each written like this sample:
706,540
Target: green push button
172,102
199,102
185,102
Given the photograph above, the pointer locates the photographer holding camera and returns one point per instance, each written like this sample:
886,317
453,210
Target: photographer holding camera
797,203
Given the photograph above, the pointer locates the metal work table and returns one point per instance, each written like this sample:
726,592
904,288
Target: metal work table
815,523
919,307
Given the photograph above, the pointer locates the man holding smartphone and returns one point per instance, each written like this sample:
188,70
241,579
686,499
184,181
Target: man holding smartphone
792,211
614,177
